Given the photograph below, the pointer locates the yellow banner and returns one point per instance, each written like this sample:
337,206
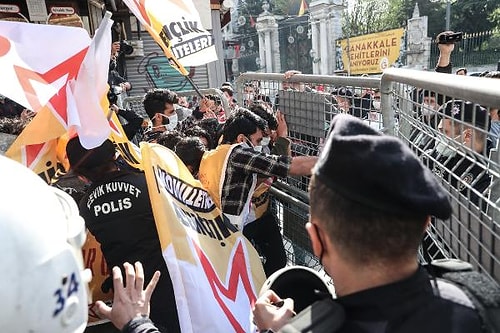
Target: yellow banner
94,260
215,271
371,54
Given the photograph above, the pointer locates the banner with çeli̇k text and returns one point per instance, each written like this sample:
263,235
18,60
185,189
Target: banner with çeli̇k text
176,26
215,271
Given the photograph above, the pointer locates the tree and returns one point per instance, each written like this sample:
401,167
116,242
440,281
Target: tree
367,16
474,15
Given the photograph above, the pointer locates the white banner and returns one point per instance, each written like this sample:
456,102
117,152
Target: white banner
177,27
215,271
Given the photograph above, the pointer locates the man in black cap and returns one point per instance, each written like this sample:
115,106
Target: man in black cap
366,227
464,124
117,211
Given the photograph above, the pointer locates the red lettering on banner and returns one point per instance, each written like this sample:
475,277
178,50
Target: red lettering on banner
238,269
89,259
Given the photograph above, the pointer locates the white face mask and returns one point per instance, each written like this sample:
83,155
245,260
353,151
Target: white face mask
427,109
265,141
250,145
376,105
444,147
172,122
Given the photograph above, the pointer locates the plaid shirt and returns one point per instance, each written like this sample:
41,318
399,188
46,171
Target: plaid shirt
243,164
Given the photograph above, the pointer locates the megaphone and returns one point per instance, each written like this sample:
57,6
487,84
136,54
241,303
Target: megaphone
302,284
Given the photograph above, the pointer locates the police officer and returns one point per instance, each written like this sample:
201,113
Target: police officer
365,226
117,210
465,128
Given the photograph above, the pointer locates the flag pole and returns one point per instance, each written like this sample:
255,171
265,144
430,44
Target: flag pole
195,87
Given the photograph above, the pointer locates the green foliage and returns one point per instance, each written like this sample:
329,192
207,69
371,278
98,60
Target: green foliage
466,15
367,16
494,18
473,15
281,7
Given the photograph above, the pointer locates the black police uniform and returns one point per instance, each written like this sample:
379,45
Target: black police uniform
467,171
398,185
410,305
118,212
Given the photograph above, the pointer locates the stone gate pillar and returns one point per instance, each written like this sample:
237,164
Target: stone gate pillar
269,50
418,50
325,18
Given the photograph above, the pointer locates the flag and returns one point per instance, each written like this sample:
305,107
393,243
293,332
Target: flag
303,8
176,26
63,79
252,21
215,271
87,93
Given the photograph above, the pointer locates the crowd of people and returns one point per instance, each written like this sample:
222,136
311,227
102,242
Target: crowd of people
364,230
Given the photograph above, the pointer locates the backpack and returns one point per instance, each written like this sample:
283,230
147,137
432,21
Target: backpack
483,292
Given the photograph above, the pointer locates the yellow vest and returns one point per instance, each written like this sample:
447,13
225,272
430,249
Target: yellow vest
212,174
260,199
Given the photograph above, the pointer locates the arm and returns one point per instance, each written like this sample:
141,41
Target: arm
281,144
248,161
444,64
281,147
302,165
133,119
131,303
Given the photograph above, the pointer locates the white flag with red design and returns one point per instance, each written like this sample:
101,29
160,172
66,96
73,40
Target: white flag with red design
215,271
61,74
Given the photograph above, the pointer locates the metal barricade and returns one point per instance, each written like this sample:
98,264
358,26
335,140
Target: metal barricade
469,168
309,102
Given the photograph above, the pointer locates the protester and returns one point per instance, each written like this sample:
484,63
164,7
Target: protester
228,92
119,86
366,233
117,211
229,173
44,281
263,229
133,121
190,150
168,139
159,106
9,108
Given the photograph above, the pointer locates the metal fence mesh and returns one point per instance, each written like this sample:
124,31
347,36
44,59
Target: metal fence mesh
404,103
463,155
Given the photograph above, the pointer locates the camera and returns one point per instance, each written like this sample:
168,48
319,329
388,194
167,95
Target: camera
126,47
449,38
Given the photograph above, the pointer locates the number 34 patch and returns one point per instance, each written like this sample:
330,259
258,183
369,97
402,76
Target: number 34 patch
69,287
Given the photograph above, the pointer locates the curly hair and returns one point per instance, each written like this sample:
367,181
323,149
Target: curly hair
155,100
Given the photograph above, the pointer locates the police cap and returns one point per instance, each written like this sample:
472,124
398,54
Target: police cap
378,171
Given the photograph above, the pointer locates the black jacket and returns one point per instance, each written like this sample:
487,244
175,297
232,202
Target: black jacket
118,212
407,306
